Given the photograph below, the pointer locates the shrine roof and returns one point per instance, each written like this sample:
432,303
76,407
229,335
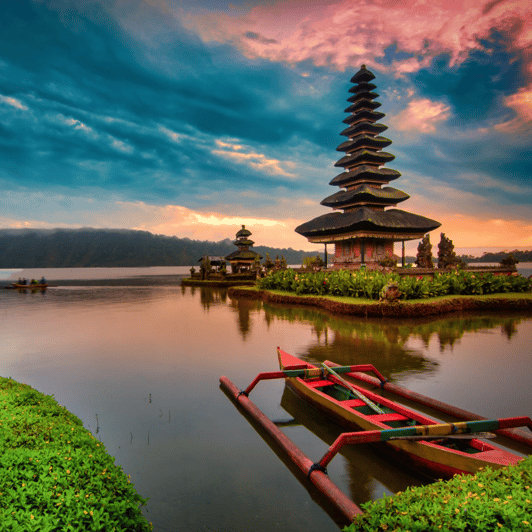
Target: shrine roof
364,114
213,259
363,75
365,173
365,194
362,87
364,157
362,95
366,219
243,232
363,127
243,254
362,104
364,141
243,242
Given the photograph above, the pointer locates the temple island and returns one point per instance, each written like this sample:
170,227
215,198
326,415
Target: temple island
363,226
244,262
365,222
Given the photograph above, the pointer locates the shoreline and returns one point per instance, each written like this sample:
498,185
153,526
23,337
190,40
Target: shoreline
401,309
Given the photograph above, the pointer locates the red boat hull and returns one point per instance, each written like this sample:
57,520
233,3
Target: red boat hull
429,457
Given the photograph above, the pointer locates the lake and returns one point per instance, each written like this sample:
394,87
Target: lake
138,358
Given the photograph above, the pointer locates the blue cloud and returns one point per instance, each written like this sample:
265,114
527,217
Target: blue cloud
90,109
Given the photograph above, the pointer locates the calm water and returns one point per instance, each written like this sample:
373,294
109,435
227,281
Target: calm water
138,359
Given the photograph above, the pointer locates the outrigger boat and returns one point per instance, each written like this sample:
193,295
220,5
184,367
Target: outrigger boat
415,439
439,450
34,286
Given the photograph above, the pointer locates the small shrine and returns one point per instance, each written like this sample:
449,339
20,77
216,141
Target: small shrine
365,223
243,258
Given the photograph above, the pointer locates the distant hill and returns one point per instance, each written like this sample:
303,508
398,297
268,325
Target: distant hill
521,256
83,248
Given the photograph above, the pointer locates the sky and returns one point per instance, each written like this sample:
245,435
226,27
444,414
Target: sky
190,118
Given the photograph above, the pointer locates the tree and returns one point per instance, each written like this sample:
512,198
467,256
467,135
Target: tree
509,261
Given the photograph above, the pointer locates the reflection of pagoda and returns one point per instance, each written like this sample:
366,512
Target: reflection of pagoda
364,232
243,258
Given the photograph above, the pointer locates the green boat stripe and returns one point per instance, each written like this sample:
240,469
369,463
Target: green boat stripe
313,372
443,429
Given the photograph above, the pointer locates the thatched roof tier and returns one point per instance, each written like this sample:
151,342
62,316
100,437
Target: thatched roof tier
362,95
213,259
243,232
365,157
243,254
243,242
364,141
363,195
365,174
362,87
364,127
364,114
392,224
362,104
363,75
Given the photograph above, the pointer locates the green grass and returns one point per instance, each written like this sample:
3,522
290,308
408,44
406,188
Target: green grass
485,502
363,301
54,475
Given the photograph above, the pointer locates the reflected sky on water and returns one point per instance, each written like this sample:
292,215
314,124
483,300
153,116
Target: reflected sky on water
140,363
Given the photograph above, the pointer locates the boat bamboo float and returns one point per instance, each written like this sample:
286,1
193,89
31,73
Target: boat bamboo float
439,450
343,504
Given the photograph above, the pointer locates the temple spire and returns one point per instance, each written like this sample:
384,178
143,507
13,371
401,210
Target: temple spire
367,227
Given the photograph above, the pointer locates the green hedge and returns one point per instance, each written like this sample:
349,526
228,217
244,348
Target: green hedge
369,284
54,475
488,501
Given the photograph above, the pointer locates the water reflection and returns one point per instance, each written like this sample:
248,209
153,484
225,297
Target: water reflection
370,473
447,329
140,366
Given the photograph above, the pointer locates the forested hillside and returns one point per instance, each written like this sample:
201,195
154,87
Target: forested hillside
521,256
113,248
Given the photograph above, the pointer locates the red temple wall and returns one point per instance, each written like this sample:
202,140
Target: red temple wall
348,253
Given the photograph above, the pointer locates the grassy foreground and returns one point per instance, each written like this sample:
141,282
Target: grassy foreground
488,501
54,475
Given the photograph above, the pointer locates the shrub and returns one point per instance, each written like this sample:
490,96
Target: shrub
487,501
54,475
509,261
369,284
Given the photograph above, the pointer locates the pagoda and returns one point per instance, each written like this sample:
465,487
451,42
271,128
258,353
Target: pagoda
364,227
243,258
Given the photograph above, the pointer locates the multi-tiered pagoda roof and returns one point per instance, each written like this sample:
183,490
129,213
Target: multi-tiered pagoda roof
364,207
243,254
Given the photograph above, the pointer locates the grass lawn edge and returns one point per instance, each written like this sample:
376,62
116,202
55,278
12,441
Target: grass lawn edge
402,309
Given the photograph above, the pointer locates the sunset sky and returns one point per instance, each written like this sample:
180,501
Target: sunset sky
191,118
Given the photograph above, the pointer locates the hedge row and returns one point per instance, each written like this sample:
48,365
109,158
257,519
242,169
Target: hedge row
487,501
54,475
371,284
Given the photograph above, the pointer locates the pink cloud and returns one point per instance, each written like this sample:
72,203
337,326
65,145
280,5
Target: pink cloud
347,33
422,115
521,103
255,160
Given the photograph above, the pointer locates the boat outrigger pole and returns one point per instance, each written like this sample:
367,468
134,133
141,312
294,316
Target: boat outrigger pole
423,432
314,372
343,504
